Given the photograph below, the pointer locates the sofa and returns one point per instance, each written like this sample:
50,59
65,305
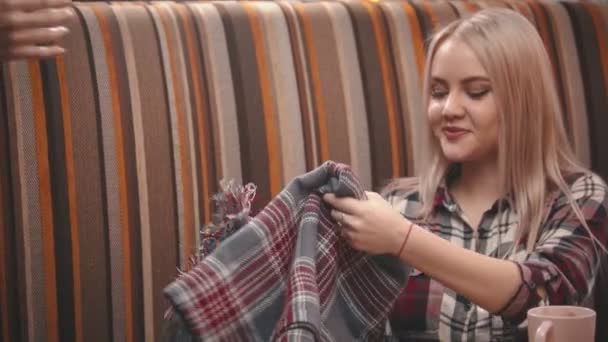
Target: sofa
110,155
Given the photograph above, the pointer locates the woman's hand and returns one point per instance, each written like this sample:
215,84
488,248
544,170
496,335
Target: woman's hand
371,225
33,28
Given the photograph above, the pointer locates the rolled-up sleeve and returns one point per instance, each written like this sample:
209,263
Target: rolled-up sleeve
565,261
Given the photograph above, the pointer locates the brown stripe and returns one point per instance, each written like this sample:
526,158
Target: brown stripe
184,155
121,168
322,137
298,53
377,94
132,206
426,27
555,60
159,165
595,94
523,8
191,193
416,37
5,264
191,227
459,8
23,287
110,199
5,234
88,167
72,199
543,29
46,212
137,174
389,84
200,111
59,198
601,29
428,8
140,173
445,12
250,110
324,19
272,139
9,311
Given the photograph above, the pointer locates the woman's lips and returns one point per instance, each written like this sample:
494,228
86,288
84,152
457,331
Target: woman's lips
454,133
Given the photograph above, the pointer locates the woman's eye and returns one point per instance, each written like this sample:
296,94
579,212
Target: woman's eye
438,93
478,93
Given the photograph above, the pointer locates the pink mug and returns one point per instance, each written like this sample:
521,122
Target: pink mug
561,324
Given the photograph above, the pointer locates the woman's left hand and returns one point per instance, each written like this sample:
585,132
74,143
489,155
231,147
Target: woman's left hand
372,226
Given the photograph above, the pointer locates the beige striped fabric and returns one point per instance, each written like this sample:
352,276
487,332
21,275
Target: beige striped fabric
111,153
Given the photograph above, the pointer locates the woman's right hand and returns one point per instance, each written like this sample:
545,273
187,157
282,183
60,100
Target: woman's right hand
33,28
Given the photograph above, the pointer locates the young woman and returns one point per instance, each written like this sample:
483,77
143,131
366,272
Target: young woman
503,217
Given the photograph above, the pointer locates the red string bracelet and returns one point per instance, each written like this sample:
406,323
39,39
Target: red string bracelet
407,236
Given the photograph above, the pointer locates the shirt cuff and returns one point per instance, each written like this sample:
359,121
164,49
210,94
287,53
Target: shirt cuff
527,296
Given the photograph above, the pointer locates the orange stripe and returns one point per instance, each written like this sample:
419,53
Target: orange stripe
200,111
388,81
188,248
46,204
316,82
541,22
543,29
416,37
431,13
523,8
593,10
72,199
298,55
122,173
190,229
272,141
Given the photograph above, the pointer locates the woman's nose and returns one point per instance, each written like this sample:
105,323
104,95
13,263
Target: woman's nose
453,106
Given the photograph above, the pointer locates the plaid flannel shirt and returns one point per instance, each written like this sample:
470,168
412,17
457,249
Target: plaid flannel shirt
564,263
286,274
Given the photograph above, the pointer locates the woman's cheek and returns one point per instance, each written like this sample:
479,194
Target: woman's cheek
434,115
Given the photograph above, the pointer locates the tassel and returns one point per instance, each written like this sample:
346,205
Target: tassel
232,211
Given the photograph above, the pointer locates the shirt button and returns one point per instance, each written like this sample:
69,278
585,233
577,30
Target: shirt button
532,285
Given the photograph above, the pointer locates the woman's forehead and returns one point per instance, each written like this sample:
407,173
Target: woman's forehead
454,60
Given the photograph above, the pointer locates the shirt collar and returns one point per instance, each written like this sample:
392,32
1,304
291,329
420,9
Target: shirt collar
444,198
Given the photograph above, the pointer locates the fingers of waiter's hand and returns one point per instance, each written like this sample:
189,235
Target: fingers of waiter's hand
47,17
35,34
31,5
30,51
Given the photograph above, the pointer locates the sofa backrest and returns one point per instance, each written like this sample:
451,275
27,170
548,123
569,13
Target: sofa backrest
111,154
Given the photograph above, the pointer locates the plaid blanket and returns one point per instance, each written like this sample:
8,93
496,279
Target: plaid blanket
287,274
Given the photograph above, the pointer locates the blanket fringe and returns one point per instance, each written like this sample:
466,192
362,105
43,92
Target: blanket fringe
232,211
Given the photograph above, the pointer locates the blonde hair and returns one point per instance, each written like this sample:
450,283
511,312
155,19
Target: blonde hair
534,153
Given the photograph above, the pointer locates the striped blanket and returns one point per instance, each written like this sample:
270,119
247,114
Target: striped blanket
287,274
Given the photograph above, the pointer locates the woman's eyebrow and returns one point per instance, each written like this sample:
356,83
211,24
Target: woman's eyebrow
475,79
469,79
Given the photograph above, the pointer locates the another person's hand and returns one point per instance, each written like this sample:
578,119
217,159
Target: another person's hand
33,28
371,225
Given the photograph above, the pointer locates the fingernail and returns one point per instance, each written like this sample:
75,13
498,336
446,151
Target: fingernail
60,29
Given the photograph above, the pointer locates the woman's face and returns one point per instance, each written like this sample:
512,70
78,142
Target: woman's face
462,111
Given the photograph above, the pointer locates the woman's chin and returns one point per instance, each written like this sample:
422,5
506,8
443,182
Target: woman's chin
456,155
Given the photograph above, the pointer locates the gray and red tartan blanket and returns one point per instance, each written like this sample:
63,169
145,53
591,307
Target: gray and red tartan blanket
288,275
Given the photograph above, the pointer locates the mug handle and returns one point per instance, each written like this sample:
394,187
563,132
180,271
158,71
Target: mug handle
542,331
